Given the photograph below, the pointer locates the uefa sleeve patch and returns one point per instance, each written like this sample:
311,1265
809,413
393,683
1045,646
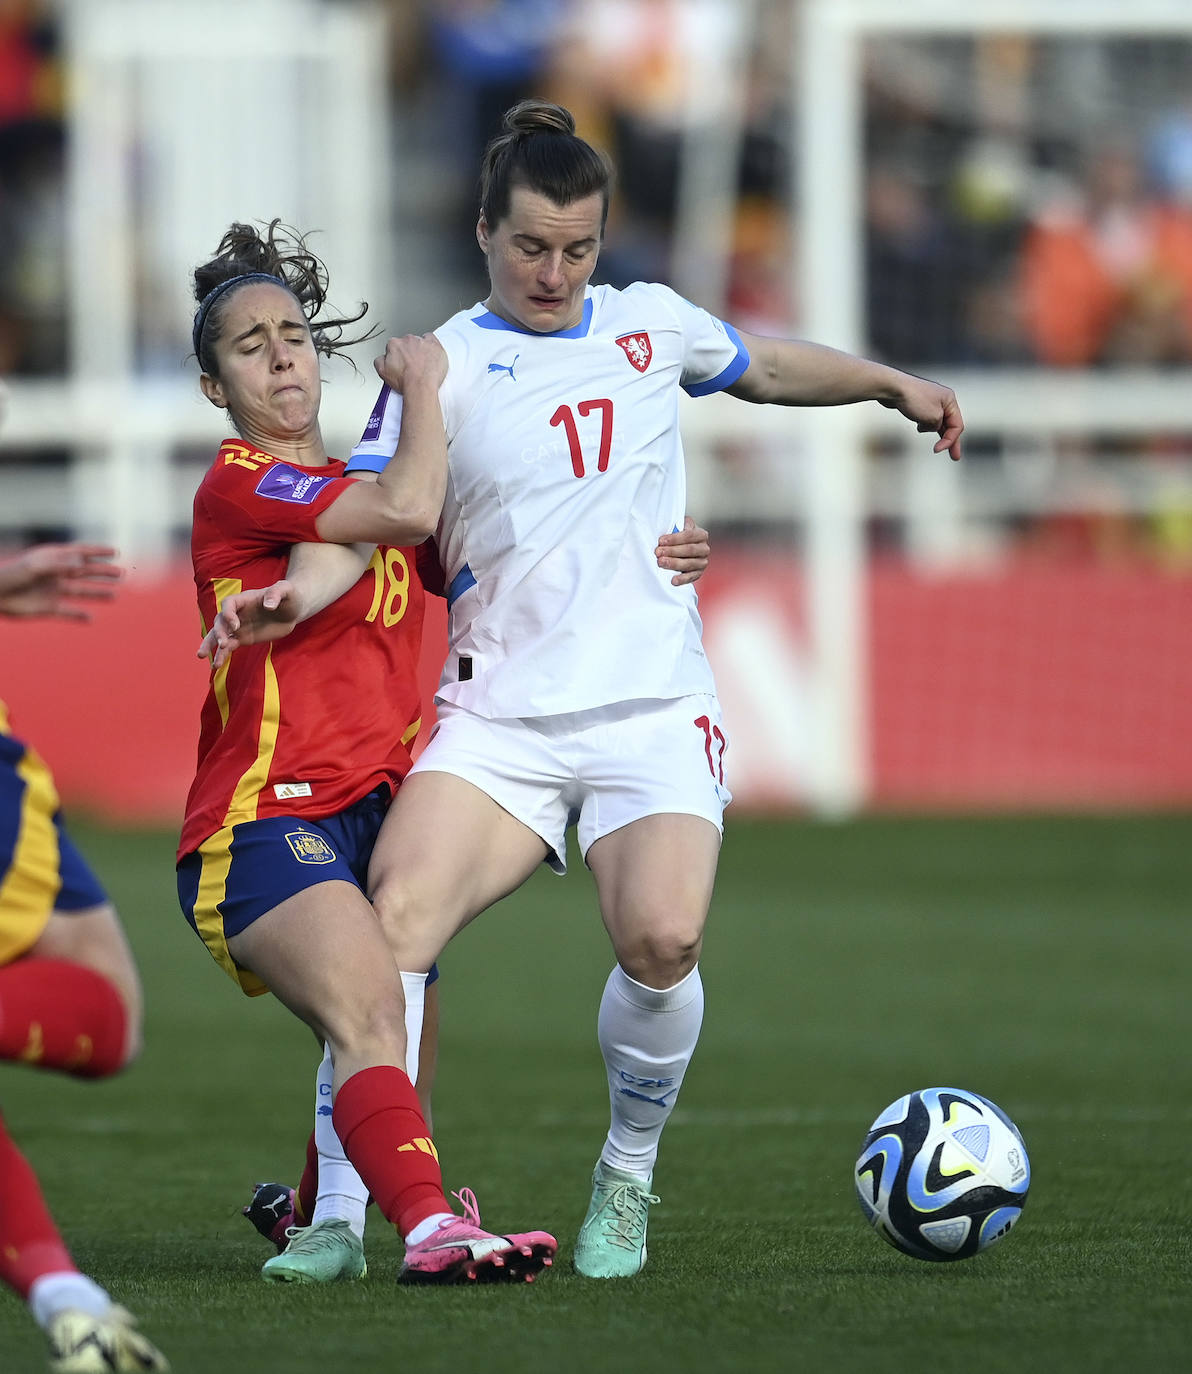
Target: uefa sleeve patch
372,430
284,483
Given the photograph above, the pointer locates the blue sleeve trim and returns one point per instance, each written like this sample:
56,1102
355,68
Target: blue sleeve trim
460,584
367,462
724,379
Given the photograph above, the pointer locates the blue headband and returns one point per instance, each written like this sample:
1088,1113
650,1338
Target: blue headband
214,294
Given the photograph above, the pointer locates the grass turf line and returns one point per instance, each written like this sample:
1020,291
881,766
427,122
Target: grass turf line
1040,961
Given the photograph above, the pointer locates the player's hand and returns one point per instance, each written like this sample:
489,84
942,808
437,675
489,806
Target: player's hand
934,410
412,359
253,617
53,579
685,551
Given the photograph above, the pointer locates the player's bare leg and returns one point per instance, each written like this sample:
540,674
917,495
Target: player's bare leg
446,851
655,879
331,1198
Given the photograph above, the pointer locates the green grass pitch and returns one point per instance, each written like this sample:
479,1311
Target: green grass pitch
1043,962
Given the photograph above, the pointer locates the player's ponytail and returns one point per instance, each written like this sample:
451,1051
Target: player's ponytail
538,148
278,253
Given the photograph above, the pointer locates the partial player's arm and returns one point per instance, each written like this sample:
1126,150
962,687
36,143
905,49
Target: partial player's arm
796,373
403,506
400,505
317,575
52,579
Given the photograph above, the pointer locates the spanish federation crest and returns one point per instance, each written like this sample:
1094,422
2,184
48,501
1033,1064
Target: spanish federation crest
310,849
637,349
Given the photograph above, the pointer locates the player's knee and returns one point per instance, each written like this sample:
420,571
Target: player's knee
117,1040
108,994
134,1036
393,902
663,957
121,973
405,918
369,1030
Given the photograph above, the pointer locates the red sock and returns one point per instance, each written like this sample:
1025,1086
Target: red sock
61,1015
384,1134
307,1192
30,1245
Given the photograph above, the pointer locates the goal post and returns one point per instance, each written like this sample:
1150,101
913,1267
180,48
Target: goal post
828,136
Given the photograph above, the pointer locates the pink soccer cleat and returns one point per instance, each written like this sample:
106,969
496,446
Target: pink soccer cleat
460,1251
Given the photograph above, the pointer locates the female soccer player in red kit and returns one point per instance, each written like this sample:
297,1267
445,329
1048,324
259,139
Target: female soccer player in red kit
296,763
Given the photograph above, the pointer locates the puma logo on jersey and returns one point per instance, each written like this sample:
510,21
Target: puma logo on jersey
505,367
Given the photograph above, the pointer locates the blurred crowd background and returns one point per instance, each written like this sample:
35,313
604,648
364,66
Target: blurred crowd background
1024,201
1027,198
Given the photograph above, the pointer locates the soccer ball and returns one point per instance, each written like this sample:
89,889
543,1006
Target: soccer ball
942,1174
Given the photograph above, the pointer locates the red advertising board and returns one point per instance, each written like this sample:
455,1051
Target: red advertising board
1040,684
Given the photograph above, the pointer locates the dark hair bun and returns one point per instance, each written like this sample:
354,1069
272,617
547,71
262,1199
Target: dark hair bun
539,117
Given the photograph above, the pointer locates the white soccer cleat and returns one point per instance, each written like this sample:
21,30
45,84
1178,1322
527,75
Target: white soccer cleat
111,1344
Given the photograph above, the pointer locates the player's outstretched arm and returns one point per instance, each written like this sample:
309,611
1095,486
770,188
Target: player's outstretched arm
256,616
318,574
685,552
796,373
53,579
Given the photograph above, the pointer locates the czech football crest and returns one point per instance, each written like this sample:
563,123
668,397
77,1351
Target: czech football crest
637,349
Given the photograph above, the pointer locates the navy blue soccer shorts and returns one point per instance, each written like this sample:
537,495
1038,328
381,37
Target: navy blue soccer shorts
245,870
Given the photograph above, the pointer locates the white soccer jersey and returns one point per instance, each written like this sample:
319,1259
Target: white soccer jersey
565,465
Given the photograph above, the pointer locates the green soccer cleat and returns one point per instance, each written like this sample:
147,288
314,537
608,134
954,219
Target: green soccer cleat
324,1252
612,1240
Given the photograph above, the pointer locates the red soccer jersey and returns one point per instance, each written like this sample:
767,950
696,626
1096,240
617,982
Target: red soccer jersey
309,724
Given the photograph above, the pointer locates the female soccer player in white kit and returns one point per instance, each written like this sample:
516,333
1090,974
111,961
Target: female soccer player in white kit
576,689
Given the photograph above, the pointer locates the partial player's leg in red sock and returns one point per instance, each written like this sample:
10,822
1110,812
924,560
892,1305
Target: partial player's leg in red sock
56,1014
307,1191
380,1123
30,1244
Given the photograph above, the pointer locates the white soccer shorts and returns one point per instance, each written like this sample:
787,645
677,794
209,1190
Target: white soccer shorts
598,770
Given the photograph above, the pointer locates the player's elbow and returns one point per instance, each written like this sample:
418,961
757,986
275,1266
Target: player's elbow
758,384
421,522
411,521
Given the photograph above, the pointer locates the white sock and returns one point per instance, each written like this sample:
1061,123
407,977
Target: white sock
414,986
427,1226
342,1194
647,1037
63,1291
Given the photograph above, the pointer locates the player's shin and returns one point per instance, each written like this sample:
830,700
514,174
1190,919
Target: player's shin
378,1120
30,1245
342,1194
414,987
647,1036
